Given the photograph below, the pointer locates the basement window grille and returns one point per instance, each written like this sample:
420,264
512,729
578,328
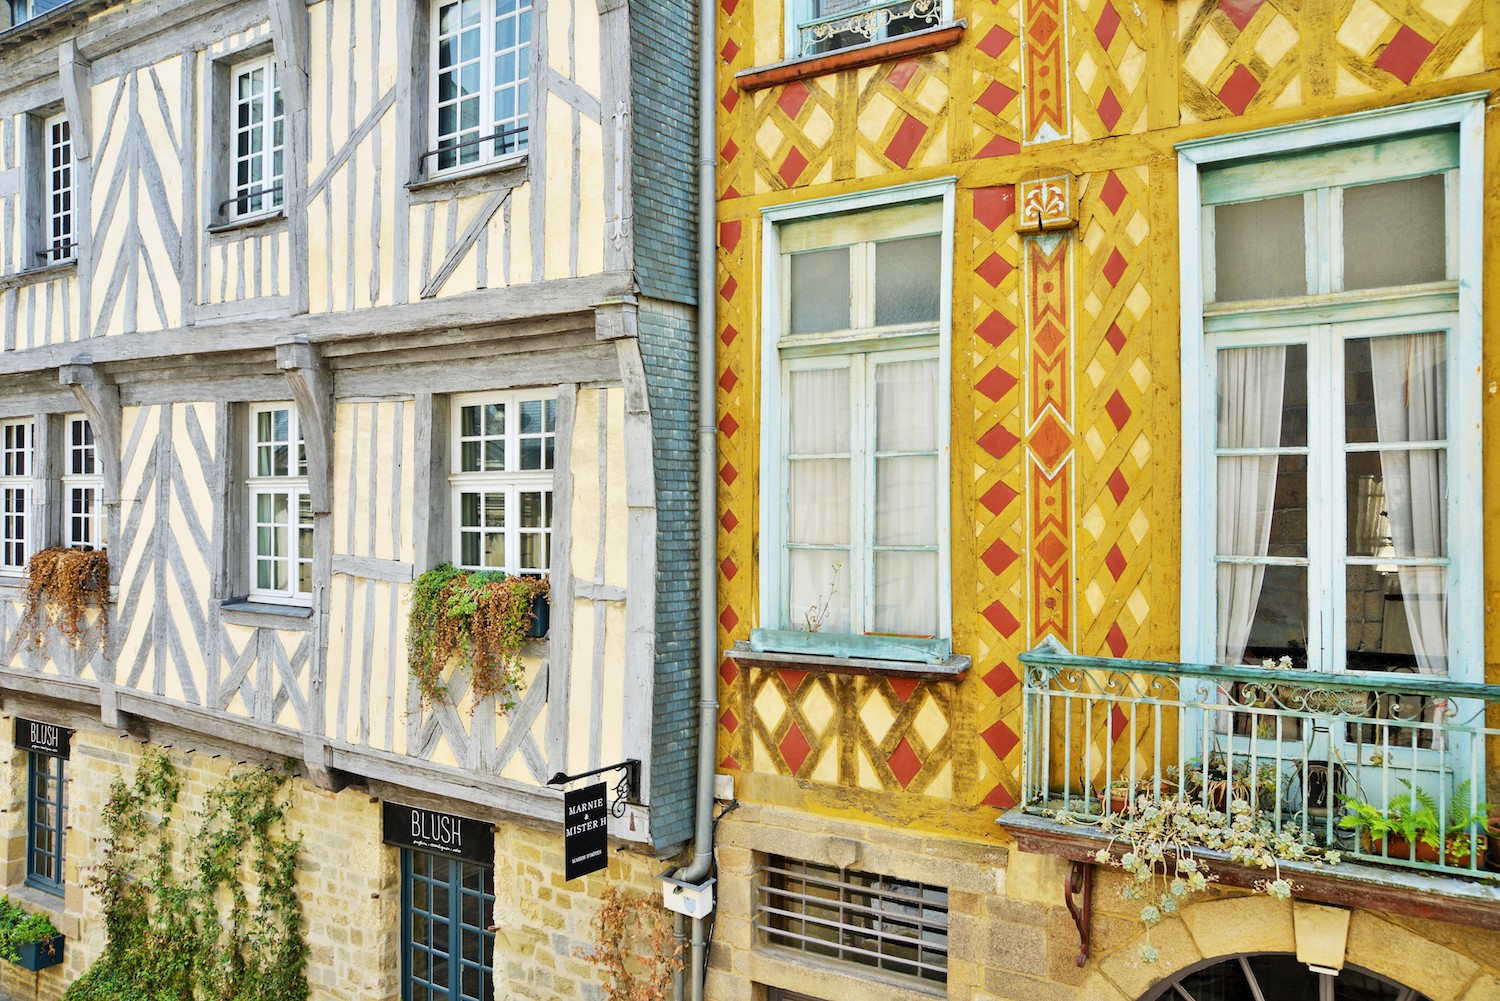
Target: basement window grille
857,917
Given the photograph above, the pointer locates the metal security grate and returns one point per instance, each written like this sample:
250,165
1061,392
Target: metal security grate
858,917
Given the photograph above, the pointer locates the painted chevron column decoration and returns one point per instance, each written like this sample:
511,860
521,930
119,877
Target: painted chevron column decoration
1049,439
1044,73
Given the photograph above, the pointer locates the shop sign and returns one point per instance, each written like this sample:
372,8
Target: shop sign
586,830
43,738
443,833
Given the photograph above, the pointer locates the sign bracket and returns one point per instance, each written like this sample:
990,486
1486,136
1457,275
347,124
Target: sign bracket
627,789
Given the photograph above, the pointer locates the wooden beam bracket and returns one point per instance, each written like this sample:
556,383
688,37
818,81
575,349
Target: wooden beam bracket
1080,880
311,383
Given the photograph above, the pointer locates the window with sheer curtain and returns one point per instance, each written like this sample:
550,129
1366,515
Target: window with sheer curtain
857,503
1330,321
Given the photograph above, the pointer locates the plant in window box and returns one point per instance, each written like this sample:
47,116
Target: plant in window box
1411,826
1228,781
475,621
30,941
67,581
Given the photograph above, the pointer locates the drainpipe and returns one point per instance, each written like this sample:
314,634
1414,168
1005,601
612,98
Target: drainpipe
696,871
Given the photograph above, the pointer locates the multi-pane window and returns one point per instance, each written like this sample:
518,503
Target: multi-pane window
259,138
504,451
17,454
825,25
447,912
481,58
1331,349
45,821
894,925
83,487
856,511
59,239
281,520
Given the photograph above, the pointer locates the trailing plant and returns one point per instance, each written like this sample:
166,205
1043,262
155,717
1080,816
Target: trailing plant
67,580
1162,839
1413,817
20,927
475,621
633,943
191,932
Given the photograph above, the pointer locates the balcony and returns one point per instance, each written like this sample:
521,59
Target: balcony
1346,762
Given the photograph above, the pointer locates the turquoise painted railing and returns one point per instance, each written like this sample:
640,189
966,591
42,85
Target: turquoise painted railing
1313,752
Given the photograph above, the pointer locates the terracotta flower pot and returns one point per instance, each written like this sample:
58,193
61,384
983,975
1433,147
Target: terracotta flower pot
1399,848
1492,852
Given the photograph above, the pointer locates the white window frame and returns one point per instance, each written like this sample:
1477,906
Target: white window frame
1465,603
296,488
266,197
17,481
776,629
512,482
798,14
488,128
59,216
82,481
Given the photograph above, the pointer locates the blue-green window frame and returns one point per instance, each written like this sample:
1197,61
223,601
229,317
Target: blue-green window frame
423,875
46,818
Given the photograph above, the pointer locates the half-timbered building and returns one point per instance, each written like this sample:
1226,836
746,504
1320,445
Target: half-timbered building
300,300
1107,438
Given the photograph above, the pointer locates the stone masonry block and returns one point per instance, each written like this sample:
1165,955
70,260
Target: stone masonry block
1253,923
1408,958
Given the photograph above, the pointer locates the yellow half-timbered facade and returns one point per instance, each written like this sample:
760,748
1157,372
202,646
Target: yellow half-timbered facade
1104,396
299,302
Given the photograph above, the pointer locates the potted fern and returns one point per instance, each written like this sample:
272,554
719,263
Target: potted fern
30,941
1411,827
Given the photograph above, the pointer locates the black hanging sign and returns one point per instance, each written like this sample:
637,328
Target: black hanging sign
585,830
443,833
43,738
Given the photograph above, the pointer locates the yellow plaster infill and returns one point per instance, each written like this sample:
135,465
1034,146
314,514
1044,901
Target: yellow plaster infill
617,515
520,223
558,183
591,178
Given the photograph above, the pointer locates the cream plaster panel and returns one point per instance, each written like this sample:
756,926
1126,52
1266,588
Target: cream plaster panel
591,186
584,461
559,185
520,226
580,684
768,42
617,554
336,680
614,695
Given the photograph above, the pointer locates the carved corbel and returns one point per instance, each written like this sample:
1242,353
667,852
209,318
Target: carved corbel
1046,205
312,390
615,317
100,399
74,72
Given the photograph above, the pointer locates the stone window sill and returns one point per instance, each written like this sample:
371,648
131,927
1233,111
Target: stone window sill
504,173
918,43
249,222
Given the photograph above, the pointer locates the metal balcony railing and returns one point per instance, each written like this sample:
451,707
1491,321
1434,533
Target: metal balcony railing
1332,759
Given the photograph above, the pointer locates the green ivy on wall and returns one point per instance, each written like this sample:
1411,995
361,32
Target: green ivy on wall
226,924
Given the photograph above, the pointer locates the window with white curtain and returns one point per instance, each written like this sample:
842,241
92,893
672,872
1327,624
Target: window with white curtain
855,492
818,26
1332,329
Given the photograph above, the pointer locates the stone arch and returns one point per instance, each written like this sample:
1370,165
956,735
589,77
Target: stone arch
1254,923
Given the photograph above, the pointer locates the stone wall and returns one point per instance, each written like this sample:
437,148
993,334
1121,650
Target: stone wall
348,880
1011,938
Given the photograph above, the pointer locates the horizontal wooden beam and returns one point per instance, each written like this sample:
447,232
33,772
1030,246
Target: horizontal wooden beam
1348,884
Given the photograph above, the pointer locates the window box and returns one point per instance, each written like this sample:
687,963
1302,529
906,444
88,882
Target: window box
892,648
41,954
541,618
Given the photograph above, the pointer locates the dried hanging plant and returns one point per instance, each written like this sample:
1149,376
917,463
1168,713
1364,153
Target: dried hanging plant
633,944
477,620
66,581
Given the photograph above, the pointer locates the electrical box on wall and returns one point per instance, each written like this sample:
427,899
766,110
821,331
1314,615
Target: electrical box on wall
694,900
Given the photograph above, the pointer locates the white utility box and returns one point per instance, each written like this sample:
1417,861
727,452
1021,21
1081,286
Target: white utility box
694,900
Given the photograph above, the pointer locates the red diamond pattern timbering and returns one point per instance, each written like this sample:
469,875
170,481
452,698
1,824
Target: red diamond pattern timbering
793,98
1000,798
1118,486
1001,739
728,426
1001,618
729,235
1113,193
730,721
996,329
1118,410
998,441
992,206
1404,54
794,748
994,270
793,680
996,383
1115,561
728,568
904,763
999,557
728,672
728,619
1117,723
1114,268
1116,640
995,41
998,497
1001,680
904,687
729,521
1239,90
728,474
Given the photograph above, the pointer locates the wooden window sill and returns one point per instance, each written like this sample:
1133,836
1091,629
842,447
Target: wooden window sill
1348,884
918,43
952,669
